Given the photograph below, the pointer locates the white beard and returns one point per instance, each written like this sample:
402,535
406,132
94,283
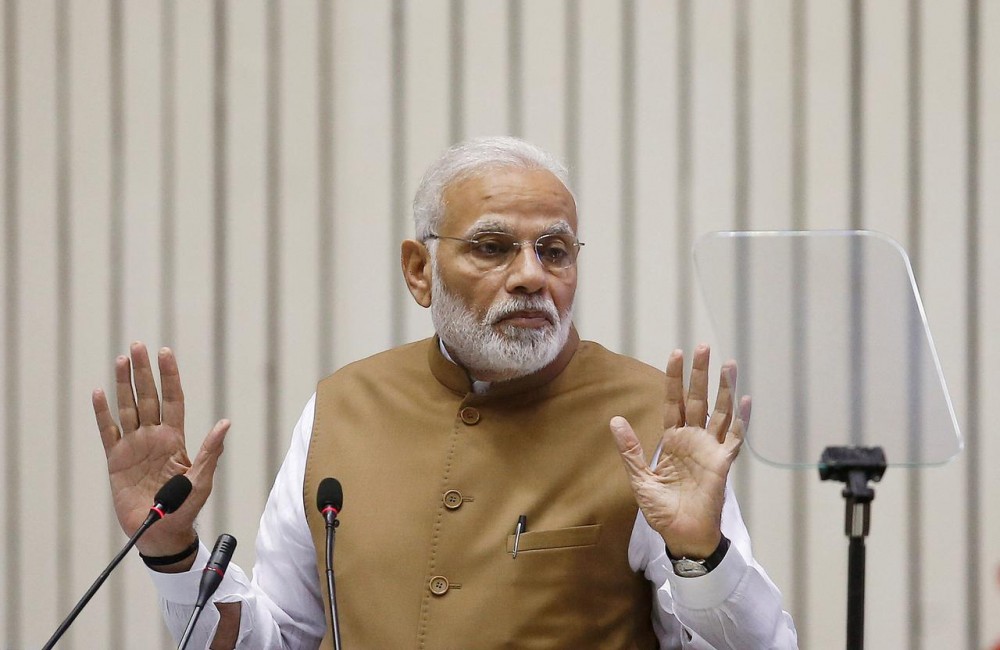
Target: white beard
498,352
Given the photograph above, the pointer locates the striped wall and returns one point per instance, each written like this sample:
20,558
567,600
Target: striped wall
232,179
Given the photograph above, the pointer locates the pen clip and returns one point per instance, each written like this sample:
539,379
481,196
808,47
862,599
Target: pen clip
522,524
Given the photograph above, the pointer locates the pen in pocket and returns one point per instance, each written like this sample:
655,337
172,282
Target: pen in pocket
522,524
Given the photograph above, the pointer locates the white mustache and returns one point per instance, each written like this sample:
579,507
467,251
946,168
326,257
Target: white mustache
501,310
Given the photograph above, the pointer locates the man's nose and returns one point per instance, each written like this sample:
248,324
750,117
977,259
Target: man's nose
526,273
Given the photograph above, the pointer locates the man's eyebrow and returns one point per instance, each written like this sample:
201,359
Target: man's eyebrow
492,225
559,228
487,224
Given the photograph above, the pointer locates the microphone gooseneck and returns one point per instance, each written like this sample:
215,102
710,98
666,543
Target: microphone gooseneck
211,577
168,499
330,501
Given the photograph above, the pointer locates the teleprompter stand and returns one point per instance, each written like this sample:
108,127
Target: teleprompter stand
855,466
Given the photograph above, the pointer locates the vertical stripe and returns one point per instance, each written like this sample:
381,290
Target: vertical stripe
571,105
856,351
12,329
973,554
800,422
515,67
741,119
571,102
856,343
326,186
64,312
168,191
800,368
741,218
684,175
397,202
116,277
627,198
272,247
456,125
856,115
914,478
219,205
168,188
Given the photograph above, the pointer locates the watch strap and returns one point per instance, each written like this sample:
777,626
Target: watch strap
709,562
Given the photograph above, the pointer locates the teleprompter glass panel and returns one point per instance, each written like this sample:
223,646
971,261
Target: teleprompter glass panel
832,343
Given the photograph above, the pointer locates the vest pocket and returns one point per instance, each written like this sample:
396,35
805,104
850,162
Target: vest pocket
538,540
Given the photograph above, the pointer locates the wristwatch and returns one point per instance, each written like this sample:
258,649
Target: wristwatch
687,567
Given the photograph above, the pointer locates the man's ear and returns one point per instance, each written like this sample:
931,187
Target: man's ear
417,268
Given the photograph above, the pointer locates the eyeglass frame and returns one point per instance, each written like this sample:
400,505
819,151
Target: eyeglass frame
518,244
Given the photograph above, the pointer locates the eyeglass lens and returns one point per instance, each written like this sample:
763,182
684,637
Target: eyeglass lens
554,251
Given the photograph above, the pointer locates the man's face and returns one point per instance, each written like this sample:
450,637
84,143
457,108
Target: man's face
512,320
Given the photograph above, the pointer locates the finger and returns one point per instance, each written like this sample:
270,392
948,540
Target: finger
110,433
173,395
128,414
696,408
673,407
202,470
722,416
737,434
629,448
145,386
743,414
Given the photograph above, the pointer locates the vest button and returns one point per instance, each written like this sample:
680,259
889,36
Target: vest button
469,415
439,585
452,499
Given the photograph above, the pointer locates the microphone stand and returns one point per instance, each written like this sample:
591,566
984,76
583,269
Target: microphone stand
190,627
97,583
211,578
331,531
855,466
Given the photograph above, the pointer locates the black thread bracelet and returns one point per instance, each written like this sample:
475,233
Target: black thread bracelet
165,560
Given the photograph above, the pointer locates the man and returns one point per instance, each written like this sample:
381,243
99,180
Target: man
488,507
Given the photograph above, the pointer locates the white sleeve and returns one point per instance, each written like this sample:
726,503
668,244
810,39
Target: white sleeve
282,606
734,606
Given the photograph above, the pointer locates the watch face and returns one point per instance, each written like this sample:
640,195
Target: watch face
689,568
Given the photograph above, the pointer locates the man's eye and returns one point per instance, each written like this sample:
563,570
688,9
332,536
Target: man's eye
490,247
555,253
553,249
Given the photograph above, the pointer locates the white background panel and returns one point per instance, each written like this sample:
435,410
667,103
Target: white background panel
366,293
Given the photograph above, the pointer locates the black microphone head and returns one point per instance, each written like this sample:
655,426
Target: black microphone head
173,493
330,493
225,546
212,575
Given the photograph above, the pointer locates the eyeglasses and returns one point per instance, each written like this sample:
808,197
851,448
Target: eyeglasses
495,250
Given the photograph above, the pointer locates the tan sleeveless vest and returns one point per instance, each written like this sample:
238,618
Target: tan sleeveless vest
435,478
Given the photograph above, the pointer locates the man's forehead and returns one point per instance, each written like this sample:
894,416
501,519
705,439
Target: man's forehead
512,200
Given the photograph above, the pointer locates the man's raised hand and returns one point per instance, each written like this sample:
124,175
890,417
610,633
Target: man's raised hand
148,448
682,496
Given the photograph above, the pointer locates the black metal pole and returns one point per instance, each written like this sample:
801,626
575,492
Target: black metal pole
855,467
856,594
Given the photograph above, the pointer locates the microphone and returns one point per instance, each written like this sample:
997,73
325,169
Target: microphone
211,577
330,501
168,499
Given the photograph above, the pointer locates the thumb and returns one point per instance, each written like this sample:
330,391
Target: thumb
629,447
203,468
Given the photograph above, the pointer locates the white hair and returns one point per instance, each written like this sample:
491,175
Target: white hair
468,160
